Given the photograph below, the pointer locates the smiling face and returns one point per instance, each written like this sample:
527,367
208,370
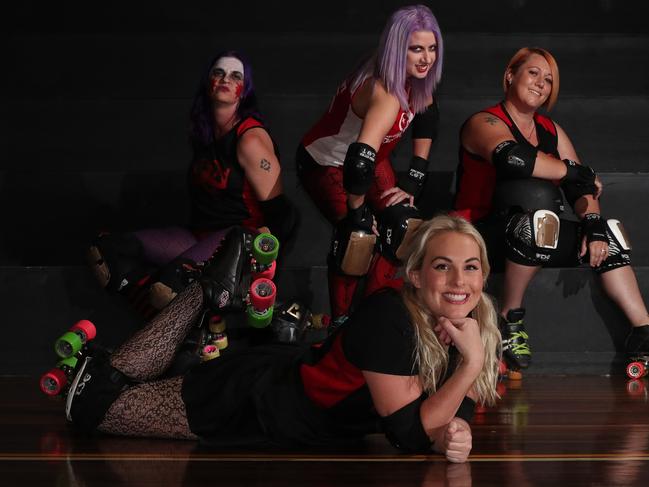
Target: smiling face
421,54
226,77
450,280
531,84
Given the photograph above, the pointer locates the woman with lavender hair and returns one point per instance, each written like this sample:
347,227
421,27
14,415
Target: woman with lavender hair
233,179
343,160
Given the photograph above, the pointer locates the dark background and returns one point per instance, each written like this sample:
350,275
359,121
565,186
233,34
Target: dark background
94,114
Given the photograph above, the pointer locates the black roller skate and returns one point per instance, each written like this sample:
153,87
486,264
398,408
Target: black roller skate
516,350
231,278
293,320
637,350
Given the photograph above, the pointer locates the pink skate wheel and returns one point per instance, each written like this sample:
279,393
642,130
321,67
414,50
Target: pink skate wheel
262,294
635,370
87,328
210,352
53,381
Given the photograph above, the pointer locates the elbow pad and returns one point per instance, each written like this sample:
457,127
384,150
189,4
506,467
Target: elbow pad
513,160
425,124
358,169
412,181
404,430
280,216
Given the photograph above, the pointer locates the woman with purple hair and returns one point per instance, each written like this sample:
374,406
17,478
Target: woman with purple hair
343,160
233,179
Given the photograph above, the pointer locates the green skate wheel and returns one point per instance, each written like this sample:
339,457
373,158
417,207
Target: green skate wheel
68,345
70,362
259,319
265,248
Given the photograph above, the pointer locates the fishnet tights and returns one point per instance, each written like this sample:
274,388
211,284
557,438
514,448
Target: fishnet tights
154,408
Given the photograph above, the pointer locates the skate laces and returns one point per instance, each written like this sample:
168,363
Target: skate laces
518,343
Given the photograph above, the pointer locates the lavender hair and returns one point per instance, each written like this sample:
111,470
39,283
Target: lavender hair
389,62
201,114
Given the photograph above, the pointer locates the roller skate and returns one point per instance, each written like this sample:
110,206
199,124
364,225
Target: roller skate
516,351
293,320
236,276
71,348
637,351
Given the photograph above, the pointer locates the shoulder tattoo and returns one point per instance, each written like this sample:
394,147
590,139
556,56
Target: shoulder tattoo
264,164
491,120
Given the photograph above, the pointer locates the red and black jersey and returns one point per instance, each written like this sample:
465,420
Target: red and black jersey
220,194
476,177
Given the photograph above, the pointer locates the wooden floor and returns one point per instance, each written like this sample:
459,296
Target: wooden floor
556,431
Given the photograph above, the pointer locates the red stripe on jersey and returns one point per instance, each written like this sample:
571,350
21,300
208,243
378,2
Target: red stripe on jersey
248,123
333,378
256,218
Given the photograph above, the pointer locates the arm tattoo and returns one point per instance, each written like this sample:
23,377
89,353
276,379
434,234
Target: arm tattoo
265,165
491,120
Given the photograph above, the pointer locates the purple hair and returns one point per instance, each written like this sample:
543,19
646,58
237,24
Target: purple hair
389,63
202,115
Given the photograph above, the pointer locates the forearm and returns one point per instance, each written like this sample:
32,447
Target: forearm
548,167
586,204
440,408
421,147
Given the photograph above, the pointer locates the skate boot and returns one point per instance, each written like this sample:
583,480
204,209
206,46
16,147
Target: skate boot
227,278
116,260
516,351
636,347
172,279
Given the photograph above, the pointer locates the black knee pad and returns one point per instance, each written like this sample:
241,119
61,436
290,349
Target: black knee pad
92,393
397,224
532,237
619,247
123,254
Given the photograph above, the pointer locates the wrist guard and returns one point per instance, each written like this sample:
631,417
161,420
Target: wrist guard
578,173
594,228
412,181
360,218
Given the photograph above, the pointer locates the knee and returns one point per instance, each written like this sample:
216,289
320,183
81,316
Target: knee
619,247
532,237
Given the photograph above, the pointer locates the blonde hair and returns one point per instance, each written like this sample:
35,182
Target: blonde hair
431,356
521,57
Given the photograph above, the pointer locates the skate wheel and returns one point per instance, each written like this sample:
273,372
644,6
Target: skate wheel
87,328
210,352
259,319
262,294
216,325
514,375
636,370
265,248
53,382
221,341
267,273
68,345
635,388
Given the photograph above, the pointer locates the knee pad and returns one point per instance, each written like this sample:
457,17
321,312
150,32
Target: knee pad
117,260
397,224
531,237
351,250
619,247
95,388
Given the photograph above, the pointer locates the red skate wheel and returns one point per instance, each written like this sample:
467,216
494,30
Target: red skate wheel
635,370
53,381
502,368
267,273
87,328
262,294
